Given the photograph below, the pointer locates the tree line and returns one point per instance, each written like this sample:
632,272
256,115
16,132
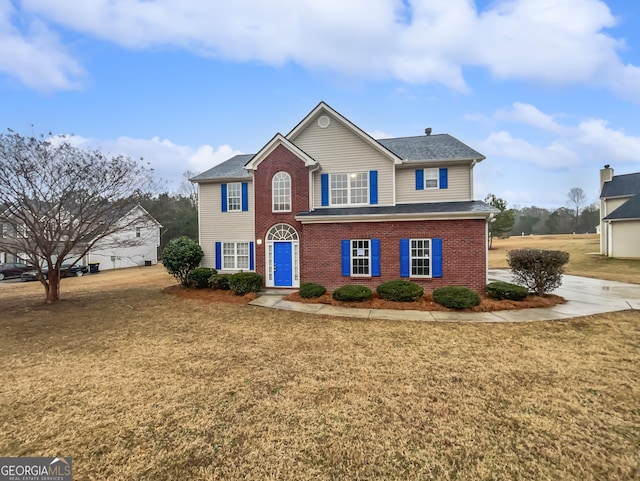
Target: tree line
576,217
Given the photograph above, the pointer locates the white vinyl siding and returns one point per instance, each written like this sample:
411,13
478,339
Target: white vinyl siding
217,226
339,150
624,238
458,189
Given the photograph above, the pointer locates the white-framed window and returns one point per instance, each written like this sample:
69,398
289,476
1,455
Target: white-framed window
3,231
234,197
431,178
21,231
360,257
420,254
349,188
235,255
281,192
138,231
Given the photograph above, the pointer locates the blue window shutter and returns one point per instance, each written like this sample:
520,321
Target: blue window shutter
436,257
245,197
444,178
346,258
375,257
223,191
218,255
324,186
373,186
252,261
404,258
419,179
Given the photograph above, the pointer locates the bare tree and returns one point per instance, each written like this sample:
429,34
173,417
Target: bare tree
188,189
62,200
576,200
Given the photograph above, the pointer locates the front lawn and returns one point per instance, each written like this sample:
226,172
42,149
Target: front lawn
138,384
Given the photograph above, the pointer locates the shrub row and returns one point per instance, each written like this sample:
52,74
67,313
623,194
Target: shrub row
240,283
456,297
505,290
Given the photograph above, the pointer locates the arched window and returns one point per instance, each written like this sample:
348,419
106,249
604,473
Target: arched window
281,192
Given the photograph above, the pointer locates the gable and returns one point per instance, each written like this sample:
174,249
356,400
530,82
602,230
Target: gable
277,141
323,127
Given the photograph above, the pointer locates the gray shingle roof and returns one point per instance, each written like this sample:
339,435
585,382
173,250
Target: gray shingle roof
471,207
229,169
430,147
622,185
629,210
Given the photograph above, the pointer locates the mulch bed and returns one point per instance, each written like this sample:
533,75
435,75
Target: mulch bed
426,303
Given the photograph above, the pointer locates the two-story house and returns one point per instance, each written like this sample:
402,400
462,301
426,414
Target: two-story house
328,203
619,214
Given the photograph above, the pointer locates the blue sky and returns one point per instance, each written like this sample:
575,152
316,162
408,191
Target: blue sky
547,90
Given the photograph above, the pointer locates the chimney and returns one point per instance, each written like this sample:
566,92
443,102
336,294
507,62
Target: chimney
606,175
427,131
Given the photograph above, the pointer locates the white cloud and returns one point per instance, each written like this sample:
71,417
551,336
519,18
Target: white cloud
552,156
606,144
550,41
168,160
589,140
530,115
36,58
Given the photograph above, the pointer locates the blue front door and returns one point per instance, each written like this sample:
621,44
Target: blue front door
282,264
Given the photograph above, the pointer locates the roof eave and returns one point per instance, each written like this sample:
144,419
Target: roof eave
329,219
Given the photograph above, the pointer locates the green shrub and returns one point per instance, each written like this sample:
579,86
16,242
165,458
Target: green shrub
244,282
353,293
400,291
199,277
505,290
220,281
180,256
456,297
311,289
538,270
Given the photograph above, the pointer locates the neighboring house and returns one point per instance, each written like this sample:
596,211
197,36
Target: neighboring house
327,203
135,245
619,214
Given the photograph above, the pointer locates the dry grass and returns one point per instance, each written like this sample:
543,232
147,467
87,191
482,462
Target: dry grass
137,384
583,248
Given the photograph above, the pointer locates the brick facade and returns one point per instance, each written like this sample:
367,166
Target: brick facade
463,251
464,241
280,160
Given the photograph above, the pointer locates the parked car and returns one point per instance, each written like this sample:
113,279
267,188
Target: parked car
66,270
13,269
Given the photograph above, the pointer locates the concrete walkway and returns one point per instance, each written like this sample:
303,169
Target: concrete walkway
584,297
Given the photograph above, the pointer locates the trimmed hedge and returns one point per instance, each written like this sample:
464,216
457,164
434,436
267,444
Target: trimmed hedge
352,293
400,291
244,282
537,269
220,281
505,290
199,277
311,289
456,297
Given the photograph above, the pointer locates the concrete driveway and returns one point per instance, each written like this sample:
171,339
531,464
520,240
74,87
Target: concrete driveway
584,297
